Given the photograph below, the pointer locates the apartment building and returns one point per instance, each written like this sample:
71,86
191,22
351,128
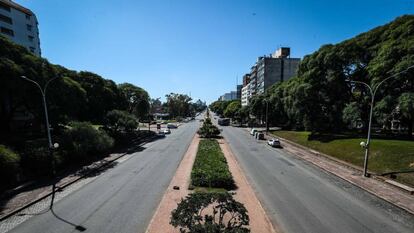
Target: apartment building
245,95
20,25
278,67
268,70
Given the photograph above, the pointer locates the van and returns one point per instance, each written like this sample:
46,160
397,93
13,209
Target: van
253,131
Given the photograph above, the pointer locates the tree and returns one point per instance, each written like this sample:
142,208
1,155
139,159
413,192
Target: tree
219,106
243,114
119,120
232,108
227,215
406,107
199,106
137,100
383,111
351,114
102,95
178,105
155,105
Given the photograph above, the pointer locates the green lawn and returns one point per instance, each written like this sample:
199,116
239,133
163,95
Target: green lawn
385,155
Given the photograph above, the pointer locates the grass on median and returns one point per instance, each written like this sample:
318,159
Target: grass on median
385,155
210,167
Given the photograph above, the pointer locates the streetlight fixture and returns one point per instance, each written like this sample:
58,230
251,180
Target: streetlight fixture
373,91
49,137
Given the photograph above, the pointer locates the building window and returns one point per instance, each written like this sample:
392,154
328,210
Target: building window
29,27
4,7
6,19
30,38
27,16
7,31
32,49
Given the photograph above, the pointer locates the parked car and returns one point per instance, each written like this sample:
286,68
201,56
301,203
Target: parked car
171,126
161,134
253,131
273,142
166,131
224,121
260,136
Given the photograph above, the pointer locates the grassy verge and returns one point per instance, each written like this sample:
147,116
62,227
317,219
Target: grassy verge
210,169
385,155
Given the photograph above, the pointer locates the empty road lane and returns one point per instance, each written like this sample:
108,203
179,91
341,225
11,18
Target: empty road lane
302,198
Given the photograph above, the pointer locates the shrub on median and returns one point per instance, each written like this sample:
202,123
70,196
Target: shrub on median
222,214
208,130
210,167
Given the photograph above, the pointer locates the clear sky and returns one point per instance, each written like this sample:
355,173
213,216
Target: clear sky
197,47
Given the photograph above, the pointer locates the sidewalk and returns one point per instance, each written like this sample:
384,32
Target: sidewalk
374,185
31,193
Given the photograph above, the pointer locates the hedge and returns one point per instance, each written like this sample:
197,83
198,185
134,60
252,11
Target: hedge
210,167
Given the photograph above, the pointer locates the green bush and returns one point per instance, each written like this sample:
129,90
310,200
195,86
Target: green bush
208,130
210,167
223,214
85,142
118,120
9,166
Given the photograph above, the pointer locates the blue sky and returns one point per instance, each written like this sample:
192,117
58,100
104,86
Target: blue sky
192,46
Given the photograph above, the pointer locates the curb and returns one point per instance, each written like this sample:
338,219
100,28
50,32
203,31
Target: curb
12,213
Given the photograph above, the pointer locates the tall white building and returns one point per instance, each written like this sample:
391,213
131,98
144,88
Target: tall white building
245,95
19,24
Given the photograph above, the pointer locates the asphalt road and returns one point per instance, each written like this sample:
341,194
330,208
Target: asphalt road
301,198
122,199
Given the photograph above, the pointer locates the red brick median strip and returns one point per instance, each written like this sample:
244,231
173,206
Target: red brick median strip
160,223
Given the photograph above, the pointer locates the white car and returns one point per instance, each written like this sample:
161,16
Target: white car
273,142
166,131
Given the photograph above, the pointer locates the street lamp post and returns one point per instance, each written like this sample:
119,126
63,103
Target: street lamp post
373,91
49,137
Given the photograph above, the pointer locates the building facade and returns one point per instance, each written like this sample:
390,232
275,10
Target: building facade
268,70
238,91
20,25
229,96
245,95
